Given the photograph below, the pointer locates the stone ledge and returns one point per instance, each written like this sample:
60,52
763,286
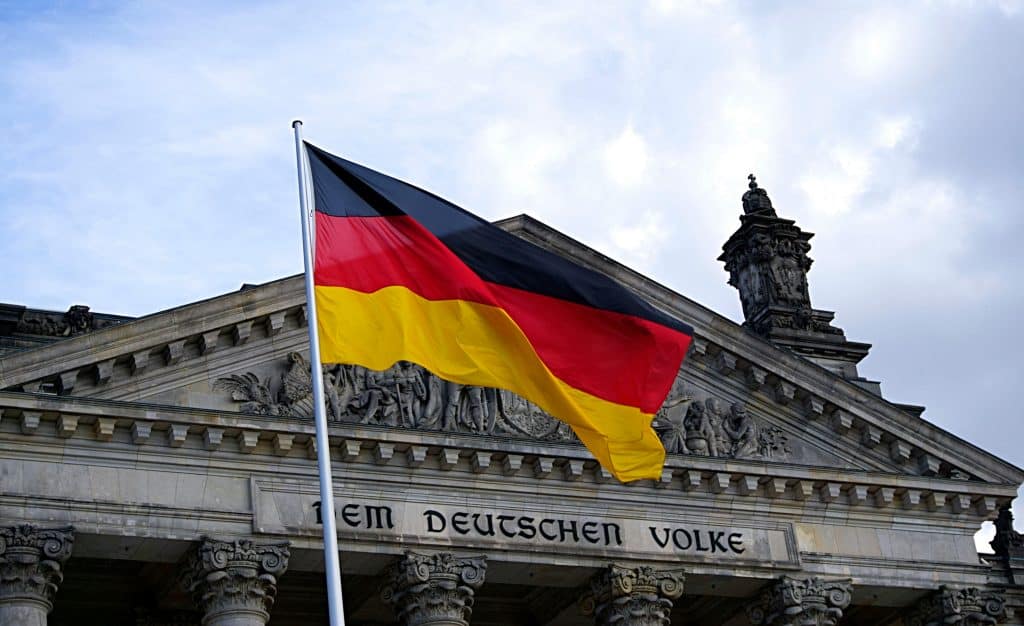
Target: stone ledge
218,432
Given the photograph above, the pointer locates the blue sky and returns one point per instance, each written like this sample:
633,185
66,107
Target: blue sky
146,158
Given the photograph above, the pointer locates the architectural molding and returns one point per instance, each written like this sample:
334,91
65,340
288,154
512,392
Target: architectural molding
224,433
801,602
433,589
632,596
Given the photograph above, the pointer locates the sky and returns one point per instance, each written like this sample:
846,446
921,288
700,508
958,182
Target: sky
147,160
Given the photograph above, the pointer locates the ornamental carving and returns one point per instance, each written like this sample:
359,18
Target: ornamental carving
234,577
709,427
949,606
77,320
433,589
1007,543
31,562
801,602
404,395
408,396
640,596
767,260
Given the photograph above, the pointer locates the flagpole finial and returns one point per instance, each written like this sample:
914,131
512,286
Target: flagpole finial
296,122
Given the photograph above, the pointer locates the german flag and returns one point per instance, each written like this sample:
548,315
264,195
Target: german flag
401,274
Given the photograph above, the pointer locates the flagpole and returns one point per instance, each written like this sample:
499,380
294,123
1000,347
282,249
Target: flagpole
323,450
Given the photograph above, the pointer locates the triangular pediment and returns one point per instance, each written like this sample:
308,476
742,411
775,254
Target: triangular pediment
738,398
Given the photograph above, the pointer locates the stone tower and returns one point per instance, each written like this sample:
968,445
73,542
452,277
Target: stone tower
767,262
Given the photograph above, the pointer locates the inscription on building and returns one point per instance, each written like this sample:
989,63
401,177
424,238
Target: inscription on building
527,525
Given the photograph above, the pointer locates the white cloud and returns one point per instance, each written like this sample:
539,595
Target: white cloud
879,45
834,186
625,158
896,132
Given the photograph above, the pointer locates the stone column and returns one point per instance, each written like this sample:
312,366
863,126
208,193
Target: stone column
639,596
801,602
950,606
433,589
234,582
31,560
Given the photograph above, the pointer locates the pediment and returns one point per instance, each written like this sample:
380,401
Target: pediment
737,398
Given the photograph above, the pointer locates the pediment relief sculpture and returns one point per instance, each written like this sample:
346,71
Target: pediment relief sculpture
408,396
709,427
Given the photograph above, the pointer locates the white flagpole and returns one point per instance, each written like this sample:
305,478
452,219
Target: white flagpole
323,449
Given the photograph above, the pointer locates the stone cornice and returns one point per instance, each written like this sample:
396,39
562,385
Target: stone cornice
798,378
38,416
158,337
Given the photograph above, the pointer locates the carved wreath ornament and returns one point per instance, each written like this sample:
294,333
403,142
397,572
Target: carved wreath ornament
408,396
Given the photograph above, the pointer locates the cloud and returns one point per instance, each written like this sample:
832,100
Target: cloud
625,158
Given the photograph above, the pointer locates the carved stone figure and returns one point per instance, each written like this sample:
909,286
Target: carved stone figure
700,437
801,602
433,589
949,606
234,582
31,569
720,443
671,425
742,431
474,416
253,393
76,321
639,596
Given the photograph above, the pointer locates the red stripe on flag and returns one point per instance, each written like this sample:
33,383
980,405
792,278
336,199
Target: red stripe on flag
616,357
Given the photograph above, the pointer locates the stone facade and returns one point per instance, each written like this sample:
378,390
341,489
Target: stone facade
180,448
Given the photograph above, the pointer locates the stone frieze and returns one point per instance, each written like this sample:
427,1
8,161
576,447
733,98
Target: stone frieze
408,396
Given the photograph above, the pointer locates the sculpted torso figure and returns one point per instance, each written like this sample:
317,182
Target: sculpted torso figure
742,430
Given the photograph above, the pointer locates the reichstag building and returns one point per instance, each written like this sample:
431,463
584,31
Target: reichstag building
161,471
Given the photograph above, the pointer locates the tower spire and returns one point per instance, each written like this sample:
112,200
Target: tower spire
767,260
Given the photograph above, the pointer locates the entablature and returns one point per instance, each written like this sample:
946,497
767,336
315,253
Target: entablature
30,419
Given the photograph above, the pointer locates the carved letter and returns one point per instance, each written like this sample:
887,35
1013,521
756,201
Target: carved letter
350,514
563,530
590,532
501,525
547,520
661,542
378,516
716,538
433,516
526,529
696,537
736,543
612,526
460,522
679,544
489,530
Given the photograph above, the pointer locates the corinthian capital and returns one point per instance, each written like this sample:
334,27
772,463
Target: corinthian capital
639,596
434,589
31,560
801,602
950,606
234,581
